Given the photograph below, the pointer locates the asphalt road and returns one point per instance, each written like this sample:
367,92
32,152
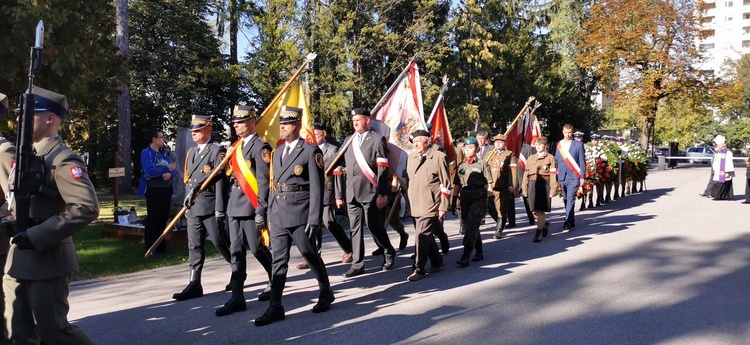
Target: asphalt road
660,267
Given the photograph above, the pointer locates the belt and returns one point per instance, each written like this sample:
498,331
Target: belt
292,188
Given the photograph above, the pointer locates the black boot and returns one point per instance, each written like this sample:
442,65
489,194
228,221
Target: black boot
545,229
275,312
404,240
479,255
499,229
193,289
236,302
538,235
591,201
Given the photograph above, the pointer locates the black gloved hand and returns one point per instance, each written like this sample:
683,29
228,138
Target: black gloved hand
260,220
22,241
220,215
311,229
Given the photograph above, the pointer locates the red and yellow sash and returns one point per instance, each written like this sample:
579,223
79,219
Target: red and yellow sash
243,174
569,161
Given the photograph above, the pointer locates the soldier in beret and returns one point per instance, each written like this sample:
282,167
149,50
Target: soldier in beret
247,207
296,204
430,193
207,211
472,181
42,258
367,185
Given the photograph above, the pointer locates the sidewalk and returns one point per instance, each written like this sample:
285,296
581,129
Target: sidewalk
664,266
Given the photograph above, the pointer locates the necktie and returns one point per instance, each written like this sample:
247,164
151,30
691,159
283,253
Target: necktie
286,153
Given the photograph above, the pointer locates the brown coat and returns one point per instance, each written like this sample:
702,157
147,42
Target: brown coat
429,183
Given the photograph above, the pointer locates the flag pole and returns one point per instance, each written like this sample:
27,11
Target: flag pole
440,98
308,59
531,99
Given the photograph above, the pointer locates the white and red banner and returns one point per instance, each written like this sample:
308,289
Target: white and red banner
525,130
399,114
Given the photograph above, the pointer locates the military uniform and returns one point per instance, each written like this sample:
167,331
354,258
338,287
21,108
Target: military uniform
361,194
296,208
244,228
539,184
429,192
201,216
42,258
503,168
472,181
334,186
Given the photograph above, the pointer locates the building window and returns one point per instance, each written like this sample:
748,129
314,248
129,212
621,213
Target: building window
729,4
746,44
746,2
746,15
728,18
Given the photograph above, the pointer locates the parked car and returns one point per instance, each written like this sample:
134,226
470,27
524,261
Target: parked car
705,152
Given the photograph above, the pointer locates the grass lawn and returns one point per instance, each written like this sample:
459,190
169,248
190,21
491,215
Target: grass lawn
101,257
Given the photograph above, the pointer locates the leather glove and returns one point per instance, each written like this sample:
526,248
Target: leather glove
260,220
22,241
220,215
188,200
311,229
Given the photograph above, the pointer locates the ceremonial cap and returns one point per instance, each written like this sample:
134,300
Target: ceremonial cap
290,114
243,112
619,139
471,141
500,137
49,101
319,126
542,140
199,121
578,134
361,111
595,137
3,104
418,133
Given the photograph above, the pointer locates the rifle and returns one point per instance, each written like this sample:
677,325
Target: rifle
29,173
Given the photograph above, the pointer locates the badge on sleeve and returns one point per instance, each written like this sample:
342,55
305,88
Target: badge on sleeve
319,159
206,169
266,156
76,172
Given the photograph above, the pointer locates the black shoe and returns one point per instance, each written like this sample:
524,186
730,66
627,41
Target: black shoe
192,290
463,262
746,202
324,302
378,252
435,268
478,257
388,262
236,303
497,235
353,272
273,313
538,235
404,241
566,226
545,229
511,225
228,287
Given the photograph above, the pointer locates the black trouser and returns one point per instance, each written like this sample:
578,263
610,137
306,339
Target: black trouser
281,242
198,227
473,208
491,208
336,230
158,202
359,214
243,234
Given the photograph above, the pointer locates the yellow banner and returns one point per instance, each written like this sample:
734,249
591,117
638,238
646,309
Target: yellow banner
268,126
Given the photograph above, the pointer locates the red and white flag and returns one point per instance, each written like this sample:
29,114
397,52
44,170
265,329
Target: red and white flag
441,131
525,130
399,113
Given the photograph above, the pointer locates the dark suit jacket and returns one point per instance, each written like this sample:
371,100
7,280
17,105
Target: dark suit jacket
199,166
239,205
578,153
303,167
358,187
334,182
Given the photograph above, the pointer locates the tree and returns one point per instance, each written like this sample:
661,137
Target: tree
123,101
642,49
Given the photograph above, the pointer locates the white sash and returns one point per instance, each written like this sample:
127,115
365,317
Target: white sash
369,174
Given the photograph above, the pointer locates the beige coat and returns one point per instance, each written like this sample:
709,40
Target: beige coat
429,183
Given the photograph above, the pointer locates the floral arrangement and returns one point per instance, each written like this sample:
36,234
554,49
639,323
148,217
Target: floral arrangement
597,169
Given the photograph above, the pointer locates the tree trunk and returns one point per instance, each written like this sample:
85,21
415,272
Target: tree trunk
123,101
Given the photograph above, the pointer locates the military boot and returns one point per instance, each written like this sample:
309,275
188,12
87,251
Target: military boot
193,289
236,302
538,235
499,229
479,255
464,260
